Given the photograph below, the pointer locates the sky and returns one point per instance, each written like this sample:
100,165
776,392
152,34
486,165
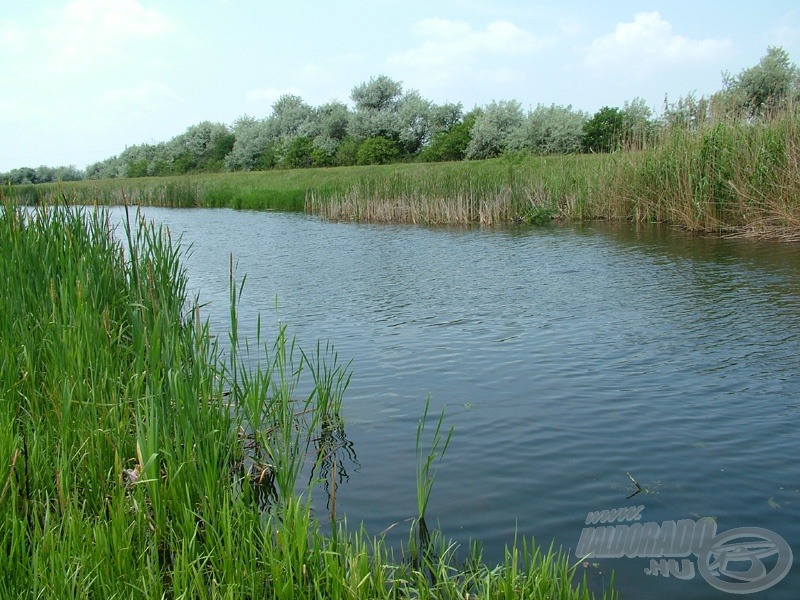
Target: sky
82,79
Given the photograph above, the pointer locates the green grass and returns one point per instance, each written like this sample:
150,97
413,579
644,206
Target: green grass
137,460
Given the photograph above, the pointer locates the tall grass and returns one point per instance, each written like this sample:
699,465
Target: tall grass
137,460
512,189
728,176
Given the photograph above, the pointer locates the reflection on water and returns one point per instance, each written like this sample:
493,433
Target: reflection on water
564,357
335,454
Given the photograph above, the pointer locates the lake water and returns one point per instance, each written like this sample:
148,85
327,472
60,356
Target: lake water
564,357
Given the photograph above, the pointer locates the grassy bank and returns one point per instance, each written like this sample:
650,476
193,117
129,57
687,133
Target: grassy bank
511,188
729,177
136,460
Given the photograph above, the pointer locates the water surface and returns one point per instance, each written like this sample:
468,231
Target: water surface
564,357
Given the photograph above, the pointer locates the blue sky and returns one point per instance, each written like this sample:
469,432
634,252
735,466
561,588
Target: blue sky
81,79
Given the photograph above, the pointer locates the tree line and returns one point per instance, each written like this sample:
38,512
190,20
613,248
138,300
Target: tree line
387,124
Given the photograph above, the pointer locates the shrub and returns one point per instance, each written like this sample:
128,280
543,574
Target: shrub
377,151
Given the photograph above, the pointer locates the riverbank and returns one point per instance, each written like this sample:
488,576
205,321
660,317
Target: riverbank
141,461
725,178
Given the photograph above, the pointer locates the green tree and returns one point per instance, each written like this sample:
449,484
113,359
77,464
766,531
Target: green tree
452,143
299,153
377,151
347,152
605,131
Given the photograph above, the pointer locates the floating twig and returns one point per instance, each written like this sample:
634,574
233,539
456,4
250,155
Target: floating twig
636,483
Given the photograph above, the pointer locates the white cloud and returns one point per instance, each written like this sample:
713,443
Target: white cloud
448,44
98,33
81,42
648,43
452,53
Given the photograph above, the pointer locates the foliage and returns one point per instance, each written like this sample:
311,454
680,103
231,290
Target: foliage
42,174
689,112
426,132
110,168
727,176
605,131
452,143
765,86
494,128
347,152
639,125
379,94
201,147
299,154
415,122
631,127
252,141
377,151
550,130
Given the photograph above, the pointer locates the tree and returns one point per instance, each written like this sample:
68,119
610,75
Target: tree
493,131
415,122
452,143
289,114
377,151
688,112
106,169
639,125
379,93
377,103
767,85
605,131
299,153
201,147
347,152
550,130
331,121
253,142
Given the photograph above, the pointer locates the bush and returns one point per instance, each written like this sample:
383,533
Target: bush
451,144
300,153
347,152
377,151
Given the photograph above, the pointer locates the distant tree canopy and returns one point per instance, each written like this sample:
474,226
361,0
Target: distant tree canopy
766,86
612,129
388,124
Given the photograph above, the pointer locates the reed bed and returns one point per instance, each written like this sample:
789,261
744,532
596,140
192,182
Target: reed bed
139,460
728,177
513,189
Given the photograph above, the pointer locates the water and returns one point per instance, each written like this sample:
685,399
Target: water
564,358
